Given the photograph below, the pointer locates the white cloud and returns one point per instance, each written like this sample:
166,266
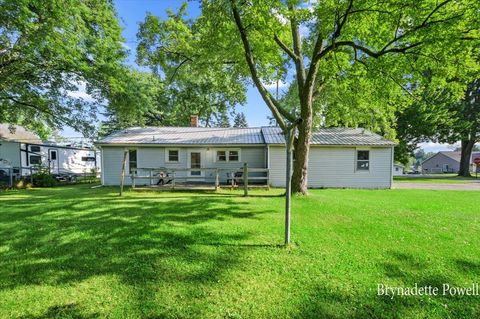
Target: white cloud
273,85
81,92
436,147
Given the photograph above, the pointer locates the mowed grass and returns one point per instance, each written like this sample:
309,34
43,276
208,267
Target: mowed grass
77,252
436,179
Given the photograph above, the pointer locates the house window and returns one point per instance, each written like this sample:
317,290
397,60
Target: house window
88,159
173,155
221,156
132,160
233,156
34,148
228,156
363,160
35,160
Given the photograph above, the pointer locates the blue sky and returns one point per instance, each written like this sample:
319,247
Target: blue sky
132,12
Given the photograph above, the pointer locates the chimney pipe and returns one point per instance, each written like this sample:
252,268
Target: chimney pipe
194,120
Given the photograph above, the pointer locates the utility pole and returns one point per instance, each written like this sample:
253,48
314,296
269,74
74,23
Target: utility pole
288,185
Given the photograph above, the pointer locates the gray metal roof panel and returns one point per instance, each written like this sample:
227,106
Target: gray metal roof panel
331,136
225,136
185,135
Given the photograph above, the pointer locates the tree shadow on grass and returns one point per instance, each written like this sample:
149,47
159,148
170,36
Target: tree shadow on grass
142,240
68,311
335,302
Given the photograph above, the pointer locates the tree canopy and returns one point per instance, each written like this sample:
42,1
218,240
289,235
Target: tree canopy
48,49
336,49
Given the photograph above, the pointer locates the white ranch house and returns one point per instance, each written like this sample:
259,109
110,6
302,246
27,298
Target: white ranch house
339,157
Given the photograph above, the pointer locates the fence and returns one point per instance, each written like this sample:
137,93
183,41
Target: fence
10,175
216,177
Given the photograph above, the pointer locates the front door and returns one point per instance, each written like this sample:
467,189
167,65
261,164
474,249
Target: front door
195,162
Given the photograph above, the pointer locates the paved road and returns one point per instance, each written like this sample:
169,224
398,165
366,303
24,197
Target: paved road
473,186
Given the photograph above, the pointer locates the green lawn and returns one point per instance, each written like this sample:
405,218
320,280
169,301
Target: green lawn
437,179
76,252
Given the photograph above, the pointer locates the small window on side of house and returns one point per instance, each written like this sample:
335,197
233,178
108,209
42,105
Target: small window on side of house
363,160
233,156
221,156
173,155
35,148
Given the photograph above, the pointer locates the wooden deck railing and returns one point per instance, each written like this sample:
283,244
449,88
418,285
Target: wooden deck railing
174,176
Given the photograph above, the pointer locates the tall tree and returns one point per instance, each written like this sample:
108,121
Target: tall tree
192,84
467,125
222,120
48,49
272,36
240,120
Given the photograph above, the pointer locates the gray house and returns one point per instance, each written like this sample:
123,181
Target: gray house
339,157
445,162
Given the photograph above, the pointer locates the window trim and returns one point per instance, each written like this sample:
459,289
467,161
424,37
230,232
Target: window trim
227,155
35,155
136,159
167,155
356,160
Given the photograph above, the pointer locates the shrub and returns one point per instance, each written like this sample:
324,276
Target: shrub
43,178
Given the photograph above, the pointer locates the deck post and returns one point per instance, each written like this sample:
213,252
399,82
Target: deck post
216,179
132,176
31,175
10,173
151,177
232,182
268,179
122,177
173,181
245,179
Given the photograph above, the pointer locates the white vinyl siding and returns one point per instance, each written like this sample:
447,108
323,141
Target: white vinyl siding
112,158
335,167
10,152
154,157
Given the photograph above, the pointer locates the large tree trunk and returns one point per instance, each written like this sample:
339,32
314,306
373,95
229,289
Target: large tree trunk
302,150
467,147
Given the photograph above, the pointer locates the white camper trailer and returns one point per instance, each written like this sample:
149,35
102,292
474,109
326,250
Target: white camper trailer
22,152
59,159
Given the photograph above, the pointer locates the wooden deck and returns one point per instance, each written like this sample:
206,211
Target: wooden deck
196,187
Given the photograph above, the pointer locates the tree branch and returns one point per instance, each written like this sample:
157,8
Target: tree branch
285,48
277,111
340,21
297,49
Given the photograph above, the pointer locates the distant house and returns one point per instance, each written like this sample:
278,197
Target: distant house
339,157
398,169
445,162
21,150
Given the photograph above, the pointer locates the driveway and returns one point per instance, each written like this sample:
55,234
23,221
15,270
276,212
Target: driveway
470,186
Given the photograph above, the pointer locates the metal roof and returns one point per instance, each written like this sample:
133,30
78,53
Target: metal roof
226,136
331,136
185,135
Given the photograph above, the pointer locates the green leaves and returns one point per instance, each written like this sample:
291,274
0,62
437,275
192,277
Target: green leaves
50,48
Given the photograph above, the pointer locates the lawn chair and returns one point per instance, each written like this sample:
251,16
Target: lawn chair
163,178
236,175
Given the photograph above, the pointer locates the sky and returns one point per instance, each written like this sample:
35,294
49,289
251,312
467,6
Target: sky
132,12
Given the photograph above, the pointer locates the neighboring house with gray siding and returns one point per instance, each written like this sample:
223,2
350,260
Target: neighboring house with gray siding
445,162
339,157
